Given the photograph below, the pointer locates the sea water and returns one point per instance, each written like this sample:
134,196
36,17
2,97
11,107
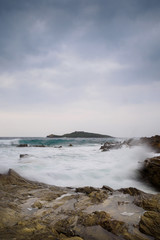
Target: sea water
82,164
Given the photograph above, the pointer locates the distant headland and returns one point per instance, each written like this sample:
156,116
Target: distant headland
79,134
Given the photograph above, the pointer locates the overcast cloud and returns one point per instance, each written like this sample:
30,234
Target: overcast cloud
91,65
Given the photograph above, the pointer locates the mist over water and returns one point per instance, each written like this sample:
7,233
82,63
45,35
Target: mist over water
83,164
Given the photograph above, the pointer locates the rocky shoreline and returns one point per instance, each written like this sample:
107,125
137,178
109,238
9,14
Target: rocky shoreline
36,211
151,142
150,170
31,210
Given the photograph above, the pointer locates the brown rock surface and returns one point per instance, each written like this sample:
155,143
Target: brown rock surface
150,224
153,142
151,171
35,211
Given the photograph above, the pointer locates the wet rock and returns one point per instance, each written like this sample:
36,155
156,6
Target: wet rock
86,190
63,237
36,211
96,218
37,204
151,171
111,145
66,226
153,142
13,178
34,229
148,202
98,196
22,145
131,142
107,188
8,217
150,224
70,145
40,145
23,155
131,191
104,220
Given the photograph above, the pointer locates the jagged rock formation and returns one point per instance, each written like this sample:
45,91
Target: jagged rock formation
152,142
34,211
151,171
79,134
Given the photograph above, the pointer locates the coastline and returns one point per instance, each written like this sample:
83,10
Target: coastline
31,210
34,211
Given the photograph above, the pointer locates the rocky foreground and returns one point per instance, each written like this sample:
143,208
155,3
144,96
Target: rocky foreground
30,210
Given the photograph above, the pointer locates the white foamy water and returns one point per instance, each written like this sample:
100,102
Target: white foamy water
80,165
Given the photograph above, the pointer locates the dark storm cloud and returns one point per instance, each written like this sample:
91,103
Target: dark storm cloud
94,29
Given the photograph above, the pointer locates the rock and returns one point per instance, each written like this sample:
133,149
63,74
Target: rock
63,237
131,191
107,188
37,204
153,142
151,171
149,202
86,190
40,145
98,196
95,218
70,145
8,217
132,142
150,224
13,178
23,155
104,220
22,145
35,211
111,145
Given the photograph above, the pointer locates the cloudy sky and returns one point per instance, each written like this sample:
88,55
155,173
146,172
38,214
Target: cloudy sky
91,65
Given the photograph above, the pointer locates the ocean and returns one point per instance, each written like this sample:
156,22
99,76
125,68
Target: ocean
74,162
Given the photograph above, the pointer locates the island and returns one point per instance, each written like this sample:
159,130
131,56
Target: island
79,134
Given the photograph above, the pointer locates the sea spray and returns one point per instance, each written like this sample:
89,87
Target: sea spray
80,165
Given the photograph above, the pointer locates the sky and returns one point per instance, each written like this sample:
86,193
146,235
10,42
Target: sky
80,65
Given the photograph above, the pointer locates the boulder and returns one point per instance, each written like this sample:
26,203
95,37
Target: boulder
22,145
151,171
23,155
86,190
153,142
39,145
111,145
150,224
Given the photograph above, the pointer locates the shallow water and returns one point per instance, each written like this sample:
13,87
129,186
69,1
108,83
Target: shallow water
80,165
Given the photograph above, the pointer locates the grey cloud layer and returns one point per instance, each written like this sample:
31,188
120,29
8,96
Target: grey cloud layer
93,29
60,52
